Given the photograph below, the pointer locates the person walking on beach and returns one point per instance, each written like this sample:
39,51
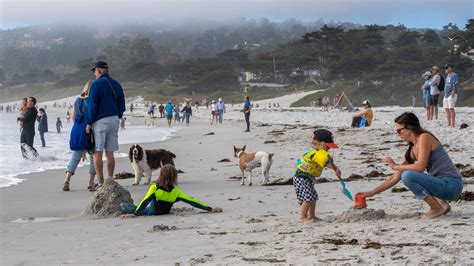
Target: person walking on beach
435,82
122,123
59,125
451,91
187,112
105,107
131,108
213,112
246,110
161,109
441,183
151,109
425,88
161,197
220,110
27,135
42,125
309,166
177,113
169,108
68,116
78,140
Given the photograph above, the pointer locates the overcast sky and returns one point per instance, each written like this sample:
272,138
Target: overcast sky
411,13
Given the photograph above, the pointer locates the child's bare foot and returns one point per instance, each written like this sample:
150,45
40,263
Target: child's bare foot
306,220
310,220
433,213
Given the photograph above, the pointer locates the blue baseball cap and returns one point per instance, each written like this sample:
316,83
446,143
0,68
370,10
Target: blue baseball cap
448,66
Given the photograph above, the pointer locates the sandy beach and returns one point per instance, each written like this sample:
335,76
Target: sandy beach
259,224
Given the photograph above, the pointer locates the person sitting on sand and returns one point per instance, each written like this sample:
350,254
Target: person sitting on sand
161,196
442,182
364,117
309,166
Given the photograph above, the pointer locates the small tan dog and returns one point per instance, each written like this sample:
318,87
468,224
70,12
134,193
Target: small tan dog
252,160
150,122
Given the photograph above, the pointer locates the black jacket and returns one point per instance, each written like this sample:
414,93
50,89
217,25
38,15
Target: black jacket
29,119
43,123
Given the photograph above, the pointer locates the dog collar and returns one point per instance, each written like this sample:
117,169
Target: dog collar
238,154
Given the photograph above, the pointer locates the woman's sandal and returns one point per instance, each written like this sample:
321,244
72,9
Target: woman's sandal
66,186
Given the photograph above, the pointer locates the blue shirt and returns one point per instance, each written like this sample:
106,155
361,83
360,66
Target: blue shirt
169,109
106,98
451,83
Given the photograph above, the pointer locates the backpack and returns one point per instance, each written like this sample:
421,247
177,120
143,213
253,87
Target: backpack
441,83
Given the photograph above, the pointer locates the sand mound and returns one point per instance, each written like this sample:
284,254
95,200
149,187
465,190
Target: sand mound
357,215
106,200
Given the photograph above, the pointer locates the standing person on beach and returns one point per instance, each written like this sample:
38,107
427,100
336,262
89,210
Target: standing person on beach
451,91
220,110
310,166
28,125
151,109
177,117
42,125
59,125
169,112
78,140
213,112
68,116
435,82
443,181
105,107
161,109
425,88
246,110
187,112
131,108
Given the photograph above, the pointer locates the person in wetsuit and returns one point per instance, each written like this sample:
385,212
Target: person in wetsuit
161,196
28,126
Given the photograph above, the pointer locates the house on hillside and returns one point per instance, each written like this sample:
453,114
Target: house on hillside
247,76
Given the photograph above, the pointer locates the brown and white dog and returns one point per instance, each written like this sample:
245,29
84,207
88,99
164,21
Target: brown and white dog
251,160
146,161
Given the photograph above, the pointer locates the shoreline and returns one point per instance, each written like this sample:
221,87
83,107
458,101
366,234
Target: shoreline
259,223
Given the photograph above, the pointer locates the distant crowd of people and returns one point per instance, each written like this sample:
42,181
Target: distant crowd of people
179,112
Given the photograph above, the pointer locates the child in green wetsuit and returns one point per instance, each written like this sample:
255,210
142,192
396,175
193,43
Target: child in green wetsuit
161,196
309,166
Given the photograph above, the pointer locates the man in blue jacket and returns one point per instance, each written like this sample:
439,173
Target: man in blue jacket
105,108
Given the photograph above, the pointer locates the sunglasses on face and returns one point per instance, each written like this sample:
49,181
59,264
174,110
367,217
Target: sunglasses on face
399,130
